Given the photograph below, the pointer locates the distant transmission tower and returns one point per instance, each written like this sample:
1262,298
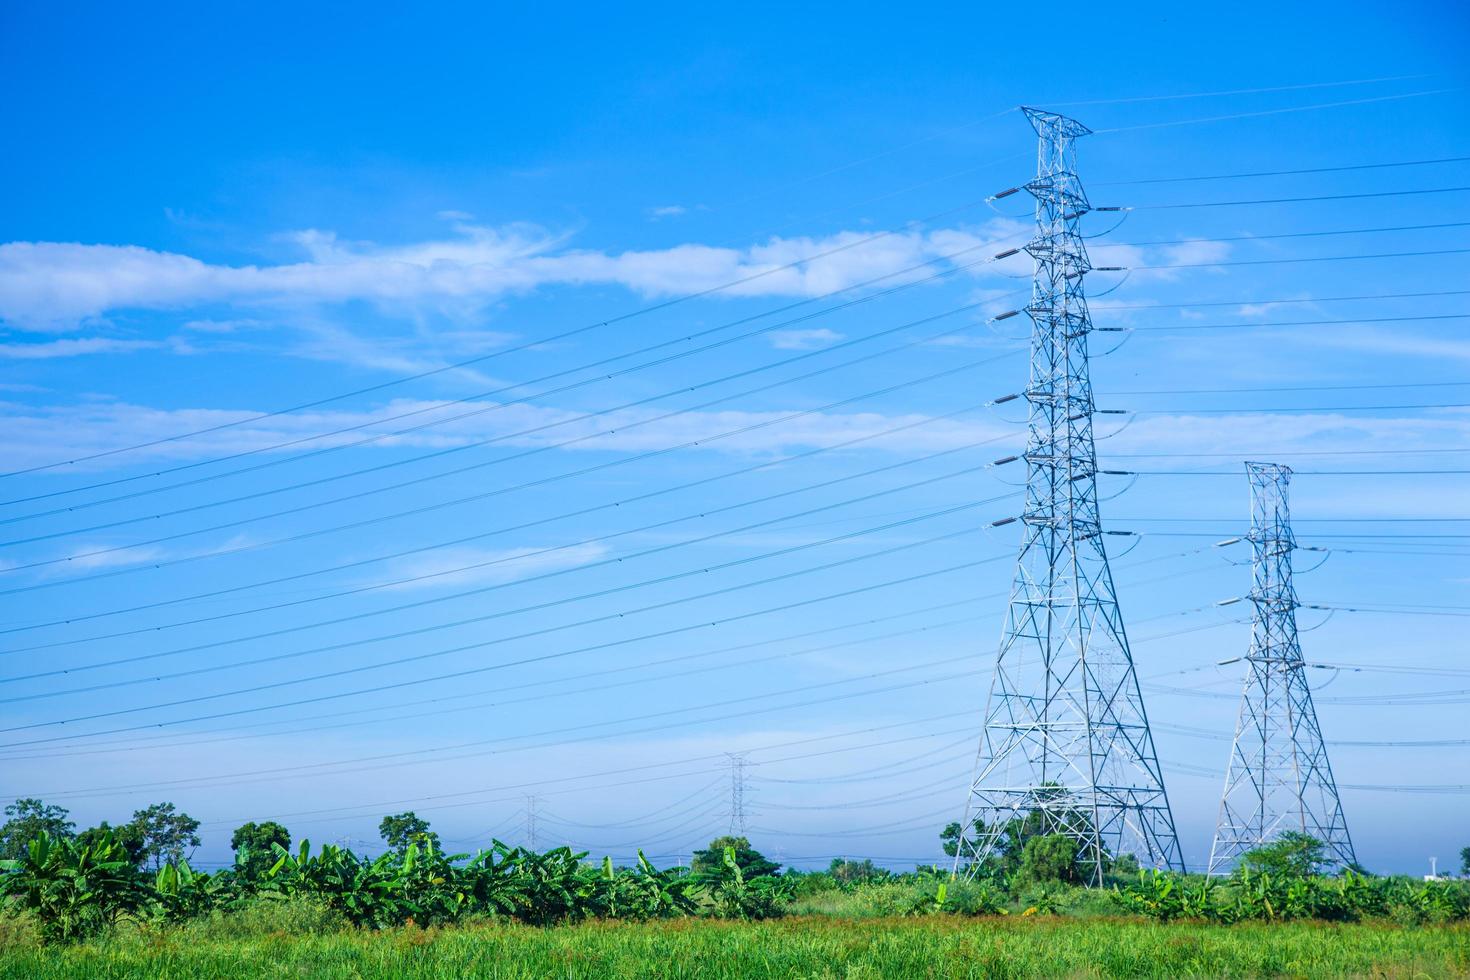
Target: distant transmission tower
738,826
1065,747
1278,778
531,822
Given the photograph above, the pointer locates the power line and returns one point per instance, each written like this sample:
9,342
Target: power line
639,731
765,423
378,717
535,430
1290,234
1236,476
1299,259
313,768
1276,112
1297,408
172,741
413,682
483,409
1279,388
1281,302
1237,91
1284,173
564,335
484,617
1291,200
522,555
627,770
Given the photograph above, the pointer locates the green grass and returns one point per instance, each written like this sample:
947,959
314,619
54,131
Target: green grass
806,947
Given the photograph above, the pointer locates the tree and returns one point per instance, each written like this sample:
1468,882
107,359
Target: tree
950,835
402,829
167,833
752,863
253,844
1292,855
1465,861
1050,858
128,837
26,819
856,872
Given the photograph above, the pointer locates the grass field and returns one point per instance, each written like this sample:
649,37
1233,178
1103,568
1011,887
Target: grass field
807,947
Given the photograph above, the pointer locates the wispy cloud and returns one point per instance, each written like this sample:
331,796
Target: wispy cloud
57,285
445,567
803,339
75,347
34,435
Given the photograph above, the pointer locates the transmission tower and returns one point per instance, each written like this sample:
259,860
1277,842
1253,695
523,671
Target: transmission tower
1065,747
531,802
1278,778
737,794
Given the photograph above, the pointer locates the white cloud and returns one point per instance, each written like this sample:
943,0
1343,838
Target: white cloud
36,435
803,339
57,285
82,557
668,211
222,326
1382,342
76,347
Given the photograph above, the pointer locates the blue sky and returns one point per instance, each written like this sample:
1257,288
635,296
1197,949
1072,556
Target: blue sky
210,214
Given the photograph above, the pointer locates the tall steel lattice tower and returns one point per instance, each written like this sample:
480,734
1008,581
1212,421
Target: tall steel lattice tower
1278,778
1065,747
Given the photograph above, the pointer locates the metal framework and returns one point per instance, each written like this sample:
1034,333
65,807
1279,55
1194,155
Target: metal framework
738,816
1278,778
530,827
1065,747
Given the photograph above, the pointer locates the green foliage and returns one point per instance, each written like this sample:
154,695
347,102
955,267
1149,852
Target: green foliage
927,946
1050,858
182,893
254,845
644,892
167,834
74,890
399,830
129,836
753,863
734,895
1465,861
1251,895
1291,855
846,873
28,818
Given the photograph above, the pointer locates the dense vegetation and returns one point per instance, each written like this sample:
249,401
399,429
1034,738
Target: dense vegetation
294,943
108,888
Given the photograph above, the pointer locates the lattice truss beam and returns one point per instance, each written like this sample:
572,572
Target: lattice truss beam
1065,746
1278,778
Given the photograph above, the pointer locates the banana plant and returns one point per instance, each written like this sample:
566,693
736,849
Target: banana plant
74,889
183,893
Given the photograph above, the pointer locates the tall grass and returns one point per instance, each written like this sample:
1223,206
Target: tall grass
805,947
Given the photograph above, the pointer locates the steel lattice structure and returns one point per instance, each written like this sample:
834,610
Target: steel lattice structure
1278,778
1065,747
738,824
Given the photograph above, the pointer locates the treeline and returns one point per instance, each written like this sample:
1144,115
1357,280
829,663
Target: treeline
1282,881
75,885
80,884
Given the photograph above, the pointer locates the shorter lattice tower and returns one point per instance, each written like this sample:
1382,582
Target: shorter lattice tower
1278,778
738,816
531,802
